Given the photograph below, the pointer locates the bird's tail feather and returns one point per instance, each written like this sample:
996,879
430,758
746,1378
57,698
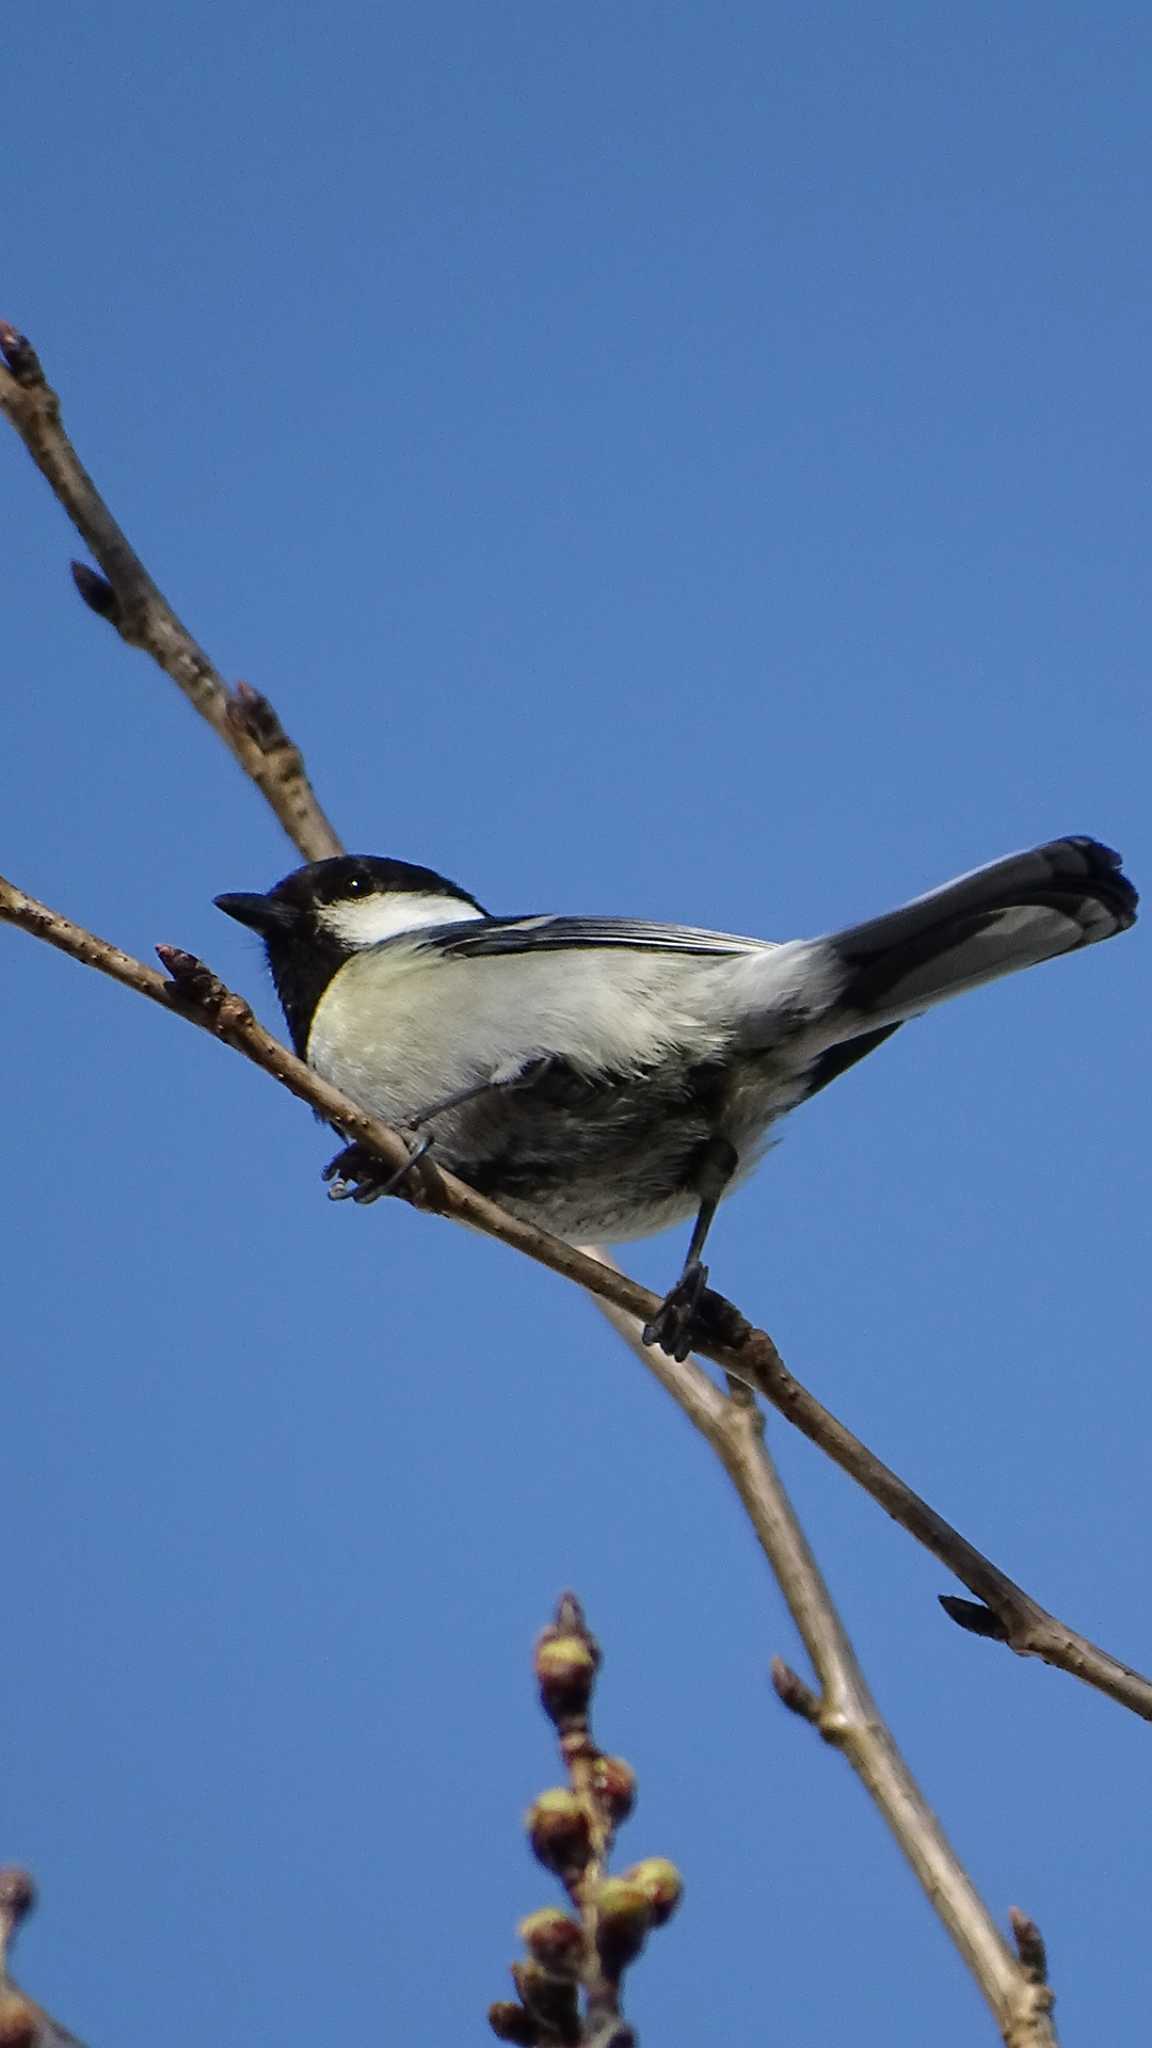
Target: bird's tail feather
1018,911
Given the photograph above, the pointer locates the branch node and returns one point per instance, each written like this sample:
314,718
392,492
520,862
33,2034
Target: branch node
975,1617
1029,1946
96,592
792,1692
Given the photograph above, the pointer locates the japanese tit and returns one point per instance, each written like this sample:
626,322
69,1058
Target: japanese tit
603,1076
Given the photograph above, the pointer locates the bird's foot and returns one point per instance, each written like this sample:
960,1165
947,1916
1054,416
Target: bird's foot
357,1175
676,1322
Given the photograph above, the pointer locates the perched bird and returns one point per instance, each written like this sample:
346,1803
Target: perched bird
603,1076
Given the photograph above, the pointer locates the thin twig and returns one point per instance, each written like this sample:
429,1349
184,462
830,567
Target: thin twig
128,598
748,1354
844,1710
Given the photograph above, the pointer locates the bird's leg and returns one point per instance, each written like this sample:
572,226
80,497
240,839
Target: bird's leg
357,1175
674,1324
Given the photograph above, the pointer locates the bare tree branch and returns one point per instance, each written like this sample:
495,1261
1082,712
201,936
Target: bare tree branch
748,1354
844,1710
128,598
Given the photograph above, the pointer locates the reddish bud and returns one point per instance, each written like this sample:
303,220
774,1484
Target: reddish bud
559,1831
554,1940
553,2001
615,1785
511,2022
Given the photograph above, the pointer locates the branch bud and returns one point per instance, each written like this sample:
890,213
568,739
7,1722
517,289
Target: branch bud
614,1782
559,1831
566,1670
96,591
974,1616
512,2022
623,1918
1029,1945
17,1894
792,1691
554,1940
661,1884
20,356
552,2001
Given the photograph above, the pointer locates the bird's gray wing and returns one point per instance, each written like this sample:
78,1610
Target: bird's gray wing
483,938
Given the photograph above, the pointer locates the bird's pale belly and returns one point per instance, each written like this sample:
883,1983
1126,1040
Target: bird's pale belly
592,1160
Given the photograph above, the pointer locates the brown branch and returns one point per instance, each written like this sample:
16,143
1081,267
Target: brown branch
128,598
848,1718
843,1709
748,1354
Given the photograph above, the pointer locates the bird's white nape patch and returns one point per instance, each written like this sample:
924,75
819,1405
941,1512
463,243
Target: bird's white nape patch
368,920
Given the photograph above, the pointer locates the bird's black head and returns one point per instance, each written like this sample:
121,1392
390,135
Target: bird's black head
319,915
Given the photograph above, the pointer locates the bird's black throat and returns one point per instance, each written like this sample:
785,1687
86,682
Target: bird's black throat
301,968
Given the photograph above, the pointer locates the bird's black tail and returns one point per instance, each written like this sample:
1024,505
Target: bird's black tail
1021,910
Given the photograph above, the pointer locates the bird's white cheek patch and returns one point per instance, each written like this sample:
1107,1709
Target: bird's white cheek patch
371,919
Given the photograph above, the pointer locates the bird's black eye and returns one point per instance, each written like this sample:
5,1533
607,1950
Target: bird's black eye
357,885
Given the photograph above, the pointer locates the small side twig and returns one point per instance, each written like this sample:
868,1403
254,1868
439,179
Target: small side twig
126,596
572,1829
747,1354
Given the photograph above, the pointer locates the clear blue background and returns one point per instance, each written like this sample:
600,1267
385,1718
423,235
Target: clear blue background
687,460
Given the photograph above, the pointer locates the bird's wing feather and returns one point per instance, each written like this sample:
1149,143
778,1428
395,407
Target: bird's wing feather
494,935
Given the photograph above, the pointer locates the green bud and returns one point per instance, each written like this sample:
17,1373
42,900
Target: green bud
623,1917
566,1670
661,1883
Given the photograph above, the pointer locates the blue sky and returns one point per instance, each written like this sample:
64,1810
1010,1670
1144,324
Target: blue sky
690,461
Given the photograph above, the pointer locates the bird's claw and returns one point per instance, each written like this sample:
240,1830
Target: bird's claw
357,1175
676,1322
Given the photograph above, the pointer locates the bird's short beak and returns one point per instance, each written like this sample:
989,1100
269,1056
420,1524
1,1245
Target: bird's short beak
264,914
